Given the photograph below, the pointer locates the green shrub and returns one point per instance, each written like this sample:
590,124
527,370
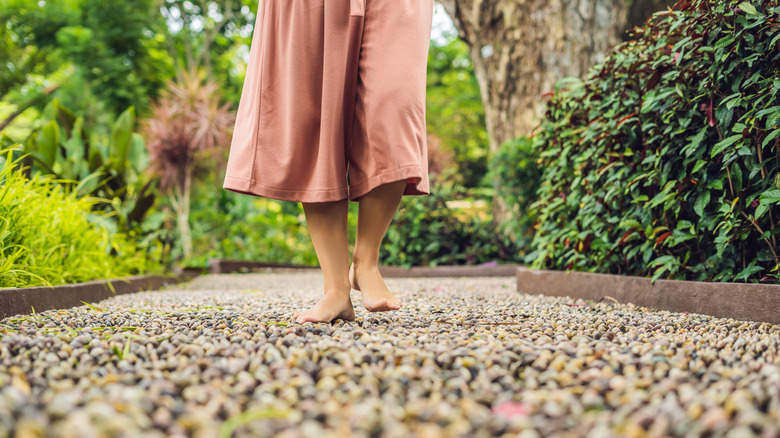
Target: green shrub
425,231
49,236
240,227
515,170
664,161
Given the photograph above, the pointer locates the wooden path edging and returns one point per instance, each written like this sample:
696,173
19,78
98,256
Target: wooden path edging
449,271
741,301
221,266
224,266
21,301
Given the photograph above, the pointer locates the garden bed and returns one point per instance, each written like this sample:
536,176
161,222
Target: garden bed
741,301
25,300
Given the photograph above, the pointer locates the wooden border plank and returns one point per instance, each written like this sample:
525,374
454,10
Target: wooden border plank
742,301
21,301
221,266
449,271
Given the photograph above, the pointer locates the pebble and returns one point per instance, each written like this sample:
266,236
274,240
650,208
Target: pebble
221,355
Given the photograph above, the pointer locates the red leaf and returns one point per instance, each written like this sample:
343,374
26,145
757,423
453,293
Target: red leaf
625,236
710,116
654,79
754,203
624,118
662,237
681,5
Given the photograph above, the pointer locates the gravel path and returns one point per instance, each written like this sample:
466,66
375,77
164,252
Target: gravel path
465,357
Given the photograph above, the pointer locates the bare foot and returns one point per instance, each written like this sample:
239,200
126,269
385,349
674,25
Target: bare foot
376,295
333,305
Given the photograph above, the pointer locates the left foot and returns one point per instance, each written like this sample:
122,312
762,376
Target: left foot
376,296
333,305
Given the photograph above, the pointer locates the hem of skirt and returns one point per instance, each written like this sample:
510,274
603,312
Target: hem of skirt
416,184
252,188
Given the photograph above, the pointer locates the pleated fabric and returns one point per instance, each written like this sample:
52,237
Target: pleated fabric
333,103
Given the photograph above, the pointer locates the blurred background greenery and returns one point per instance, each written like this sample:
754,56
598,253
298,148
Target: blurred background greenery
94,99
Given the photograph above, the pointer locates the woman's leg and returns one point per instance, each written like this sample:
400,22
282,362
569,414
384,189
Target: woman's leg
375,213
327,222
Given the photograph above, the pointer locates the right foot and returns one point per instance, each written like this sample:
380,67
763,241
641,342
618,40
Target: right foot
376,296
332,306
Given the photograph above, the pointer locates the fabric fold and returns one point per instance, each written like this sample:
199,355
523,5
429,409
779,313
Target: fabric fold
357,8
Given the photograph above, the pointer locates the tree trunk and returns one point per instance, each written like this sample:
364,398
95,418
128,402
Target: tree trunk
520,48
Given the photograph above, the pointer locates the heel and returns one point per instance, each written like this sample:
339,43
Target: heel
352,281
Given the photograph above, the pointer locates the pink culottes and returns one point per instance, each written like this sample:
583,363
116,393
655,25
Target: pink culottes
333,103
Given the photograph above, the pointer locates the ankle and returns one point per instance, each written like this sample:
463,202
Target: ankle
365,263
339,288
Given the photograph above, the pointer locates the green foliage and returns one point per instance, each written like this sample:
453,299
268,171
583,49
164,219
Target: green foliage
111,169
664,162
515,167
27,44
425,231
239,227
197,39
109,42
49,236
101,55
456,116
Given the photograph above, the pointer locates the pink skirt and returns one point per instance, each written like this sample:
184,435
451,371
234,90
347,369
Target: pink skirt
333,103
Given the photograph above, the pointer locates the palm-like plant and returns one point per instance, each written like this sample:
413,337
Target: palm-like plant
186,126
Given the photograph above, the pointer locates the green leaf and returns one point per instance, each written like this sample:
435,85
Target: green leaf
748,8
701,202
137,156
699,164
695,141
771,196
630,224
716,184
761,210
767,199
736,177
652,98
723,144
748,271
121,137
771,136
126,350
48,142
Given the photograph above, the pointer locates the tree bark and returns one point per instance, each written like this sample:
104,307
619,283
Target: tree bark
520,48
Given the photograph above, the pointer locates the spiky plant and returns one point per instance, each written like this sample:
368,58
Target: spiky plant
186,126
